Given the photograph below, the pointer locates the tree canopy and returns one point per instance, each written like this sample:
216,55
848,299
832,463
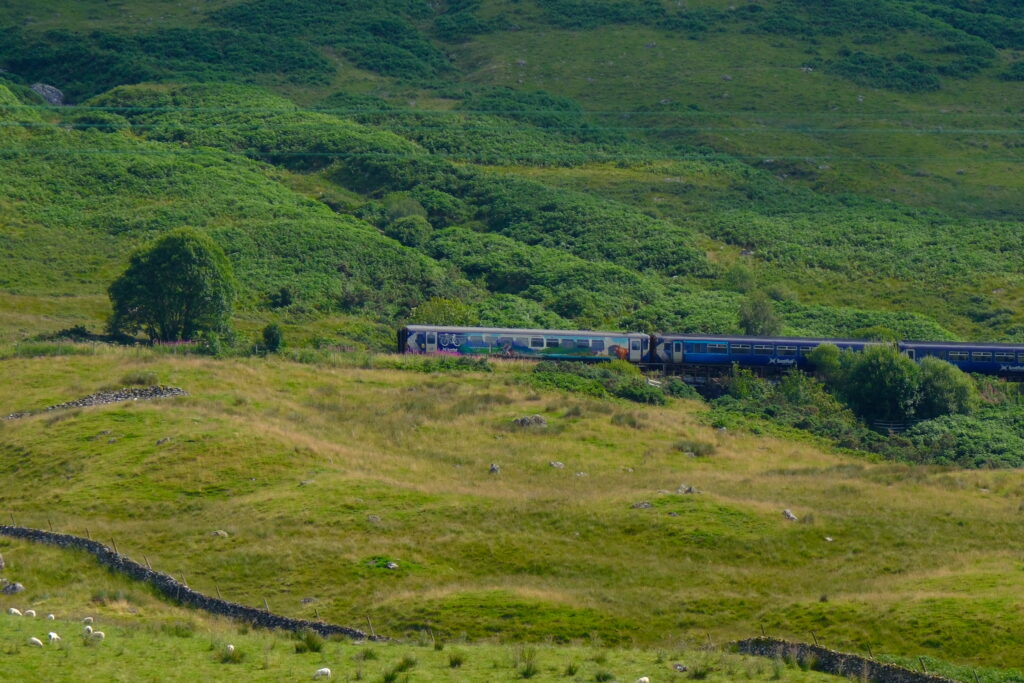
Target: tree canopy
178,287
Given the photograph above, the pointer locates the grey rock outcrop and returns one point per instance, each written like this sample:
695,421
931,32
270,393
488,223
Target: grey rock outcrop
50,93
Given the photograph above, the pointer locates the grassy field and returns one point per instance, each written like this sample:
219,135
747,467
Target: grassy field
149,640
321,474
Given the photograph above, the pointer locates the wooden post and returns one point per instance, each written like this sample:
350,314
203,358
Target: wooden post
184,581
115,544
763,634
870,653
976,680
923,667
370,624
13,523
815,637
87,534
317,613
148,565
266,604
218,590
50,523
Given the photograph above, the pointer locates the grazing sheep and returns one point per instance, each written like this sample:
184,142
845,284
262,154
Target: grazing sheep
35,642
30,613
229,648
50,617
789,515
54,638
14,611
322,673
87,620
643,679
98,635
495,469
87,631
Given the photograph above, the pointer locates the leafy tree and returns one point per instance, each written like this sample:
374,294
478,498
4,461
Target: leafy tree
883,384
945,389
273,337
438,311
757,316
179,287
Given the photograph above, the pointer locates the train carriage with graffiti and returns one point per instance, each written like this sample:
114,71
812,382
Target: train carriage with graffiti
577,345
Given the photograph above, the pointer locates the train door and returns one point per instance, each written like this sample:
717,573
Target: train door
635,350
677,352
910,354
431,343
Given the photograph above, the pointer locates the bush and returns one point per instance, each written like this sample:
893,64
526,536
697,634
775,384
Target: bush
273,338
677,388
695,448
308,641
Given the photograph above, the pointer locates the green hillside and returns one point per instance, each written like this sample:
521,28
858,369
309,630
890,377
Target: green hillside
631,164
866,164
323,474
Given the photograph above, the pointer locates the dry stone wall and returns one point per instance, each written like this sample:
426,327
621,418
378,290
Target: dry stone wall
836,663
177,591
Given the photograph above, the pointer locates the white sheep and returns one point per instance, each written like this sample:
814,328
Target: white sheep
54,638
643,679
30,613
87,620
50,617
98,635
229,648
322,673
35,642
14,611
87,631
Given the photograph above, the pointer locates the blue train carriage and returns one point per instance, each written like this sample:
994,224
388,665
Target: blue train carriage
724,350
990,359
501,342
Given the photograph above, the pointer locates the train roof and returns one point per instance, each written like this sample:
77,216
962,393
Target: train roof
768,340
994,346
520,331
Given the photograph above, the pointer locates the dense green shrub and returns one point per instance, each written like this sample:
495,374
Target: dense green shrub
85,64
903,73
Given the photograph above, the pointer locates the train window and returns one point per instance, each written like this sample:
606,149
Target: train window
741,349
582,343
551,343
1004,357
696,347
1020,357
785,350
476,339
981,356
536,342
804,350
567,344
958,356
718,348
431,337
763,349
597,344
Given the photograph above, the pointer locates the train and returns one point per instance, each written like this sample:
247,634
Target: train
693,355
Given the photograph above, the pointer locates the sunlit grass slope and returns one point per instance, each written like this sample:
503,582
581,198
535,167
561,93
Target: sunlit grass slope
146,639
321,475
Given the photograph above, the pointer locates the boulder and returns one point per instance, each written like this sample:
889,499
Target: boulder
49,93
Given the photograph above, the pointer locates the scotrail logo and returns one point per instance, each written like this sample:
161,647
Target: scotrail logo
1011,368
784,361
